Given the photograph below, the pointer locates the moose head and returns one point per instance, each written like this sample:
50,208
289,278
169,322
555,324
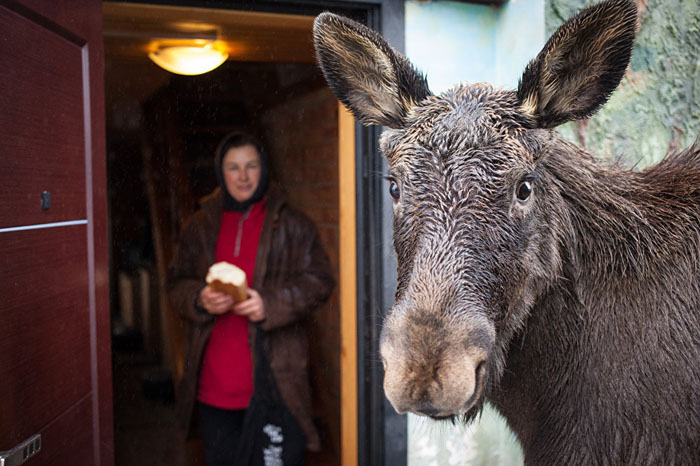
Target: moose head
480,210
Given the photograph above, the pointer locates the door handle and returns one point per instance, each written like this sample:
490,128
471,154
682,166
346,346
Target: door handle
21,452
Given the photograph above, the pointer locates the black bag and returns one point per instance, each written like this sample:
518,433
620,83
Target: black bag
271,435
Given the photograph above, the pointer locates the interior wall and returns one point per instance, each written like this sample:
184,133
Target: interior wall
302,135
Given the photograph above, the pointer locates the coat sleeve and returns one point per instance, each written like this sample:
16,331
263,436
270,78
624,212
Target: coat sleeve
307,286
184,278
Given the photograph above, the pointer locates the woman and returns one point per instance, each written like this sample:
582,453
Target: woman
245,223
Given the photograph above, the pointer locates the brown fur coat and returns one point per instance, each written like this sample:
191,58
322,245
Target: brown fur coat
293,276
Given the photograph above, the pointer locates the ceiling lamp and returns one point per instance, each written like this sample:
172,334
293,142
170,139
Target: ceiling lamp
191,57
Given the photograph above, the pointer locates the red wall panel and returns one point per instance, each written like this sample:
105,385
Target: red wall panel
63,444
41,126
45,331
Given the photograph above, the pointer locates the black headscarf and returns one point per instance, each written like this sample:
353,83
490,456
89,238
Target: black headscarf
231,141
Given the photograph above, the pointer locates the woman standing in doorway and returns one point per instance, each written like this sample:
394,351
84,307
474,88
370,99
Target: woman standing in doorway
247,223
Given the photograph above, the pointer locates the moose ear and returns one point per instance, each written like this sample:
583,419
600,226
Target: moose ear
378,84
580,65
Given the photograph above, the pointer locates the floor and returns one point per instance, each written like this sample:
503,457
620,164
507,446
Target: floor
144,414
143,424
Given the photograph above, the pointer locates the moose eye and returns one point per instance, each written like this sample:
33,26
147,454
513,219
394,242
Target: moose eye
394,189
524,191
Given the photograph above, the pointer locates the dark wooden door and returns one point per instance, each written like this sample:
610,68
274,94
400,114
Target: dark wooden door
55,363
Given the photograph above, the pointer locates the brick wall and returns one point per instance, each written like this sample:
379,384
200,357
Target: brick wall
302,141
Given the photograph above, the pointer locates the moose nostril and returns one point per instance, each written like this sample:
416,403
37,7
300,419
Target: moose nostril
478,384
480,370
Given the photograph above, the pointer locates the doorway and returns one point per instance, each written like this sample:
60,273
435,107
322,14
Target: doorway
162,131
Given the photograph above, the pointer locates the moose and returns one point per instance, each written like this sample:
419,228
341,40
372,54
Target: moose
561,288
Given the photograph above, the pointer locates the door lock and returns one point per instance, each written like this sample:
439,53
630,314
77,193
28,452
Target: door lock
21,452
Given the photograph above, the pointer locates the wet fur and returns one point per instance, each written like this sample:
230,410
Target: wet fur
584,300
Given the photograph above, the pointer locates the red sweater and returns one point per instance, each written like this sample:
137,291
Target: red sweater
226,377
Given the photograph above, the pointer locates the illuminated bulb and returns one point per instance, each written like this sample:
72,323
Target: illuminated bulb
191,59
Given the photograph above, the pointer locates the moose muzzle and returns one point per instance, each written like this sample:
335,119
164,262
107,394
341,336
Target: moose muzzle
435,365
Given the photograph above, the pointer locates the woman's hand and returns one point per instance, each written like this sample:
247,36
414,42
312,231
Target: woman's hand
215,302
253,308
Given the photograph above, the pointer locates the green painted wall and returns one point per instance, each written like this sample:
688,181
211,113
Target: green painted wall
657,106
453,42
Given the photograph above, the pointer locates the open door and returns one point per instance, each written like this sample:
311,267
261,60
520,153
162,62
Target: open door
54,331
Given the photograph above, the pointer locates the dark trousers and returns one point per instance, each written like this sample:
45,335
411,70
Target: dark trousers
221,430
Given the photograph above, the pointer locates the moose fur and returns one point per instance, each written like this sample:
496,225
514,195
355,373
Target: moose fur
563,289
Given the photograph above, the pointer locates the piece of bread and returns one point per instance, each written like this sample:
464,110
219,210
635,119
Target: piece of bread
229,279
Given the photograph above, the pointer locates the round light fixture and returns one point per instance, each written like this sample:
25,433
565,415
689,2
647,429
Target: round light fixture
195,57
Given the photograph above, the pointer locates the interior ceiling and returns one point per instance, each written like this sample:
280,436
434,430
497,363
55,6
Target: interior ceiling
129,29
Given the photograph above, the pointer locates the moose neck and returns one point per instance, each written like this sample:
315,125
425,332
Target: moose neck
622,226
625,237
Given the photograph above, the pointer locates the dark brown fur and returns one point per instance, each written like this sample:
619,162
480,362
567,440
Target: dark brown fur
574,308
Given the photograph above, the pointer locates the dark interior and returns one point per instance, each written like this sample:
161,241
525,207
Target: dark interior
162,130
